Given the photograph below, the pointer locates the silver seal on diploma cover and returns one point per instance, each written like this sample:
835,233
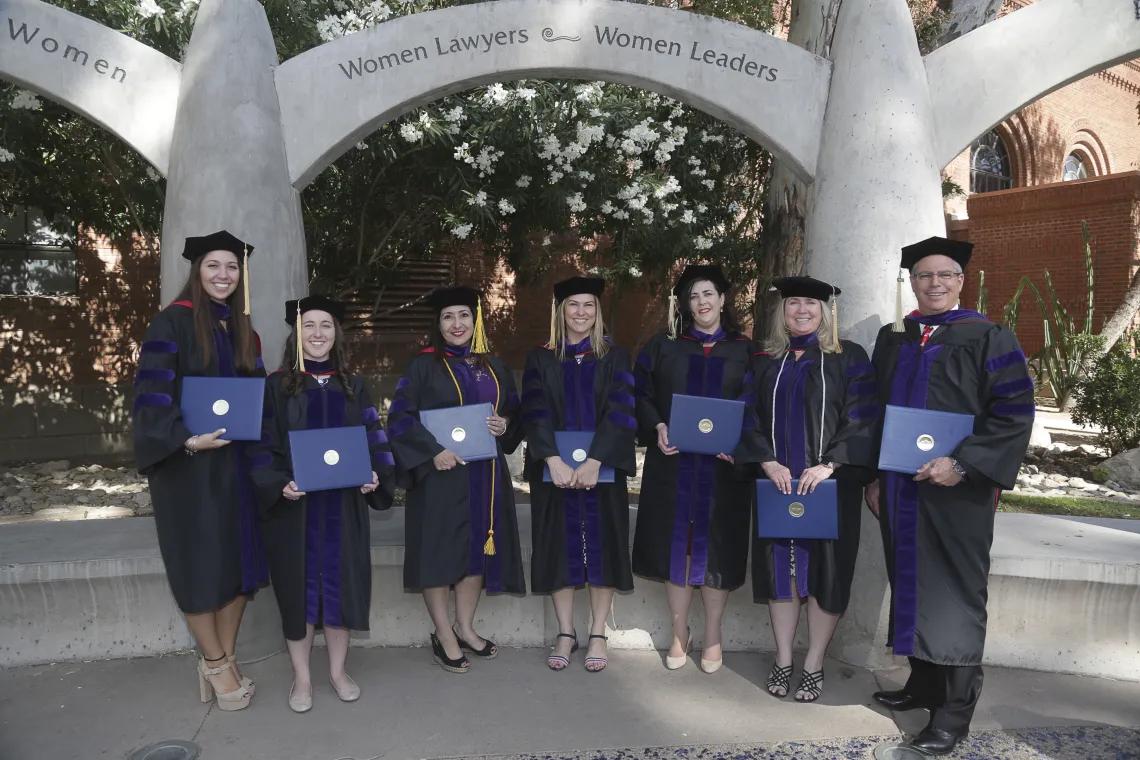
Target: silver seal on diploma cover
705,426
925,442
331,457
458,434
579,455
796,509
221,407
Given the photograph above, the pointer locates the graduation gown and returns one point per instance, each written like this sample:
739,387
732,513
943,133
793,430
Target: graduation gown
579,536
449,513
318,546
692,499
794,411
937,538
208,532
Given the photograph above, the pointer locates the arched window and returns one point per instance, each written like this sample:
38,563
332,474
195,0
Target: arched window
1074,168
989,164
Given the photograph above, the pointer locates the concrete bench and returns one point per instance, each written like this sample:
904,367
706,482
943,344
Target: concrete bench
1064,597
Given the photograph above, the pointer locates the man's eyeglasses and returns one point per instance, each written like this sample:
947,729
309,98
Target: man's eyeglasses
927,277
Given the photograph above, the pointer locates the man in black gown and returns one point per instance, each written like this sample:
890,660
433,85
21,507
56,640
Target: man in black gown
938,525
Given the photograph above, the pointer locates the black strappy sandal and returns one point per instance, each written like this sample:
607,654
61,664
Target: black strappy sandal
554,660
596,661
812,683
459,665
488,652
780,678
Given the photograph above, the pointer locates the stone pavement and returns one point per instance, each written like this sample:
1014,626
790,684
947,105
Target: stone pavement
514,706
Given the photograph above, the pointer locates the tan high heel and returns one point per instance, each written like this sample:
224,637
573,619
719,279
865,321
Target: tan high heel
675,663
227,701
246,682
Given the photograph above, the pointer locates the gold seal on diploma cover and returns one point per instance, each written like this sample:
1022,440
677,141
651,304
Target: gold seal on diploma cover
579,455
796,509
705,425
458,434
925,442
331,457
221,406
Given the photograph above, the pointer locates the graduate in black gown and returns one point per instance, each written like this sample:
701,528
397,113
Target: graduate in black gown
695,511
208,531
318,543
460,524
579,381
938,525
816,399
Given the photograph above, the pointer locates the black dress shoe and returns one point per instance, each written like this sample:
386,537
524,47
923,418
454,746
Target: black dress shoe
899,701
935,741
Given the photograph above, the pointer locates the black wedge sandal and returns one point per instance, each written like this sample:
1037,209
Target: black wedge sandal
459,665
812,684
488,652
780,678
557,661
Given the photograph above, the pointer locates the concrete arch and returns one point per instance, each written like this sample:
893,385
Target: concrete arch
1019,60
122,85
334,95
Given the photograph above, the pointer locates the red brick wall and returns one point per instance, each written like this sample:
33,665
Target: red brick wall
1026,231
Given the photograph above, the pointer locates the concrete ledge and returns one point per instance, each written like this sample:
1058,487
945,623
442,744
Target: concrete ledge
1065,597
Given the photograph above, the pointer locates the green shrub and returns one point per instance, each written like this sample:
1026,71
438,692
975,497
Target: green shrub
1110,397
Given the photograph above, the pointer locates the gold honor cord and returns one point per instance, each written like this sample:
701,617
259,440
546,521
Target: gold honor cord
245,277
489,546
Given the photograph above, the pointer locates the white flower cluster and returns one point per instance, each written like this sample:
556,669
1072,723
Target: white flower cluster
523,181
462,231
671,186
463,153
6,155
479,199
688,217
702,243
576,202
411,132
184,10
496,94
505,207
525,94
638,138
350,20
454,118
707,138
487,159
26,100
149,9
587,93
152,174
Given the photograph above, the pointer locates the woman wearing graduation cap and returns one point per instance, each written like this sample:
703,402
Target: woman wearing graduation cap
579,381
318,543
460,527
694,511
816,402
207,525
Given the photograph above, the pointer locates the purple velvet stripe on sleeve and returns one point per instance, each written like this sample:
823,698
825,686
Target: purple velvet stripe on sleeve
261,460
748,380
383,459
266,439
1015,410
534,395
1014,387
368,415
399,406
998,363
533,415
644,361
376,437
624,420
863,389
747,397
259,363
859,369
404,383
154,375
623,377
622,398
401,425
867,412
152,399
159,347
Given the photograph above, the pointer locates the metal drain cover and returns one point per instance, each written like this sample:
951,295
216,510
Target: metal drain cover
897,751
167,749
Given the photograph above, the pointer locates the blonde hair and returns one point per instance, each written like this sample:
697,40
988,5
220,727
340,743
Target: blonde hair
597,334
776,341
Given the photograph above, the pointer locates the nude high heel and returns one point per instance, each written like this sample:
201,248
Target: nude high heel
246,682
673,663
227,701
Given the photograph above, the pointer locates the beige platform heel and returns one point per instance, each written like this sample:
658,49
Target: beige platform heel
247,683
227,701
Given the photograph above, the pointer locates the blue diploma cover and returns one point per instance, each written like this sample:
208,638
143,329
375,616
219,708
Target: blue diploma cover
699,425
913,437
463,429
810,515
574,449
330,458
233,403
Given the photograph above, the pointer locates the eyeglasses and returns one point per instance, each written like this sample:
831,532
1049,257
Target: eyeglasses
927,277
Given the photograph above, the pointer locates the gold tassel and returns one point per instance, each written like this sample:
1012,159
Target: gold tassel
489,546
898,327
245,277
479,339
553,324
300,343
835,322
672,315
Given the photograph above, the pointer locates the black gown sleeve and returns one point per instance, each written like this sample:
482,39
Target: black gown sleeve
383,464
616,431
1001,432
753,448
158,430
538,419
510,407
758,371
413,447
648,415
853,445
270,467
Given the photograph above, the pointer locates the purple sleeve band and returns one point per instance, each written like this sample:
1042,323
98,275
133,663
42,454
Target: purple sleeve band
1014,387
747,398
152,399
1015,410
369,415
401,425
261,461
622,398
749,379
399,406
623,377
383,459
624,420
259,363
644,361
376,437
154,375
404,383
998,363
160,347
266,439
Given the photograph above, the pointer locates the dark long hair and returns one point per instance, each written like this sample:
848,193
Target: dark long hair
439,344
728,319
294,381
245,349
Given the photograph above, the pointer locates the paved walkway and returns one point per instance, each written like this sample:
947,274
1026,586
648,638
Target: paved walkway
514,706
